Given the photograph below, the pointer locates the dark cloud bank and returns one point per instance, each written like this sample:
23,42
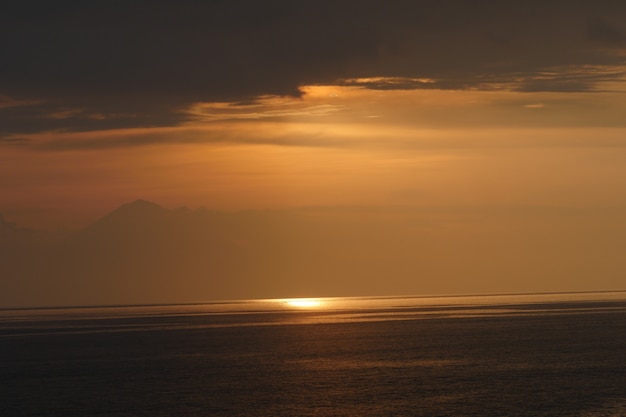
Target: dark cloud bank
94,65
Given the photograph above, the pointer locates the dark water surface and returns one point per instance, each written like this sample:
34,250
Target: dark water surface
539,355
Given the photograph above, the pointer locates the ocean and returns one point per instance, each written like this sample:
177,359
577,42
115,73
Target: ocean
508,355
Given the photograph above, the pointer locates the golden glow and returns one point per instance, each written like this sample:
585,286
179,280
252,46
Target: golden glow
389,80
315,92
395,183
334,146
303,302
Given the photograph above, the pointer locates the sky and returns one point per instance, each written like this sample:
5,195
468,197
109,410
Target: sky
498,127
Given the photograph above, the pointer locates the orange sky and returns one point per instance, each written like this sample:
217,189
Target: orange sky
436,191
336,146
394,148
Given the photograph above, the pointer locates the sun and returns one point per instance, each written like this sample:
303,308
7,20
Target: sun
302,302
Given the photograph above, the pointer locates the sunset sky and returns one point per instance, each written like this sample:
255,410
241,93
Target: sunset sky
498,126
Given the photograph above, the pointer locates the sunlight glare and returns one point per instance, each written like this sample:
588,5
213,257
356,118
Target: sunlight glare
302,302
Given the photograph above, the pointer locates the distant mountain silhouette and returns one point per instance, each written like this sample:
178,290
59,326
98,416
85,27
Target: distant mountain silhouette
144,253
4,225
139,211
137,207
10,233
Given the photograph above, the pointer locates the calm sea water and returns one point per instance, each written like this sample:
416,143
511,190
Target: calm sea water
532,355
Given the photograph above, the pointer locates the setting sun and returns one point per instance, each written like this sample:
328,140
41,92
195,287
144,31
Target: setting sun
302,302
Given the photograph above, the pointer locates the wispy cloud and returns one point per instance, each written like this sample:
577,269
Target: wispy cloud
578,78
14,141
8,102
570,78
334,116
390,83
267,108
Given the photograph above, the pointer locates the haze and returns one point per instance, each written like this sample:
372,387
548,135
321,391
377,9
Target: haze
323,149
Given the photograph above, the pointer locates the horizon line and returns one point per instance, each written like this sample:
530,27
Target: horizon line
363,297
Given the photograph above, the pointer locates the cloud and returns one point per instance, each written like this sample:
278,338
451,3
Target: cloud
76,116
8,102
14,141
357,117
139,63
264,108
182,135
603,32
585,78
390,83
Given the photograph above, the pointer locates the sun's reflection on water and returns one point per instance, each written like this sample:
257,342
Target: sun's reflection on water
304,303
